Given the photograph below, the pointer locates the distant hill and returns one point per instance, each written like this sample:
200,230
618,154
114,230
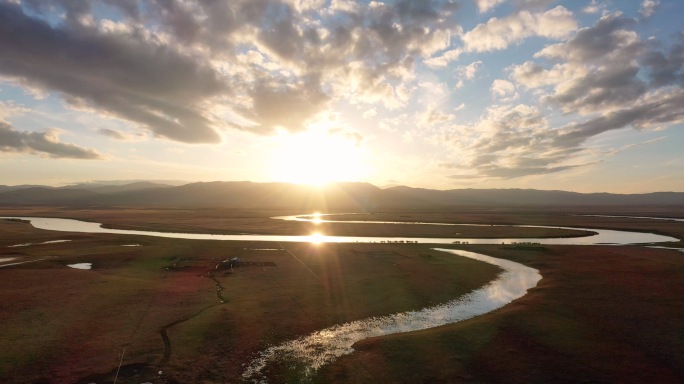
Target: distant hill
533,197
46,196
6,188
334,197
105,188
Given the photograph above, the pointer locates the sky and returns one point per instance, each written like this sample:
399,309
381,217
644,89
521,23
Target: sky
582,95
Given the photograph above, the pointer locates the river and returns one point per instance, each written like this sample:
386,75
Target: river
602,236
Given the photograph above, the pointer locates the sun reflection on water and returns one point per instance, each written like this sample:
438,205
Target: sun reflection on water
316,238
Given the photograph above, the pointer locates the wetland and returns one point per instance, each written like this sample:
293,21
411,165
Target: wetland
285,291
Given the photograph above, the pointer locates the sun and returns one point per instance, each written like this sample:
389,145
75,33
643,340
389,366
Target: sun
317,158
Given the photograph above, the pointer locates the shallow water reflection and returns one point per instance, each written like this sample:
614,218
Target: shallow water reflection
44,242
81,266
322,347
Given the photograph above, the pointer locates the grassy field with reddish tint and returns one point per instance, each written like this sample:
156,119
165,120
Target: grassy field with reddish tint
600,313
62,324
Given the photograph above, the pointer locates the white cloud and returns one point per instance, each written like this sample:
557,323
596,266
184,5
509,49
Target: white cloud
11,108
648,7
497,34
486,5
466,72
502,88
594,7
369,114
444,59
432,117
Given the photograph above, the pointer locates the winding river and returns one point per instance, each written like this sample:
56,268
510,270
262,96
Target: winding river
322,347
602,236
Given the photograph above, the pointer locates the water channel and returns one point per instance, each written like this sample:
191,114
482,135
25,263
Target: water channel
322,347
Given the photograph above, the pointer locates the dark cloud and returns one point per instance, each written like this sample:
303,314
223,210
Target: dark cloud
517,171
598,69
655,111
612,34
666,67
113,134
122,74
289,107
48,143
168,65
602,88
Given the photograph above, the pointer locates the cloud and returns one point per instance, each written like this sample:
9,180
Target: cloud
666,67
491,171
286,107
502,88
633,145
46,142
648,7
515,141
444,59
466,72
605,69
432,117
498,34
112,133
652,111
10,108
122,74
486,5
369,114
594,7
597,69
612,35
178,68
118,135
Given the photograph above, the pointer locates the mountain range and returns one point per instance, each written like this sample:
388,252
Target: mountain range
336,196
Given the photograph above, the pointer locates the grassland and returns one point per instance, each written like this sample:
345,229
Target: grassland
600,314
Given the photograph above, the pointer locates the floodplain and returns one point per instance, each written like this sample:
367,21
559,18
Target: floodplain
180,307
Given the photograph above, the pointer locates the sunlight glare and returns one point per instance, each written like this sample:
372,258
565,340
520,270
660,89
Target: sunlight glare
316,238
317,158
